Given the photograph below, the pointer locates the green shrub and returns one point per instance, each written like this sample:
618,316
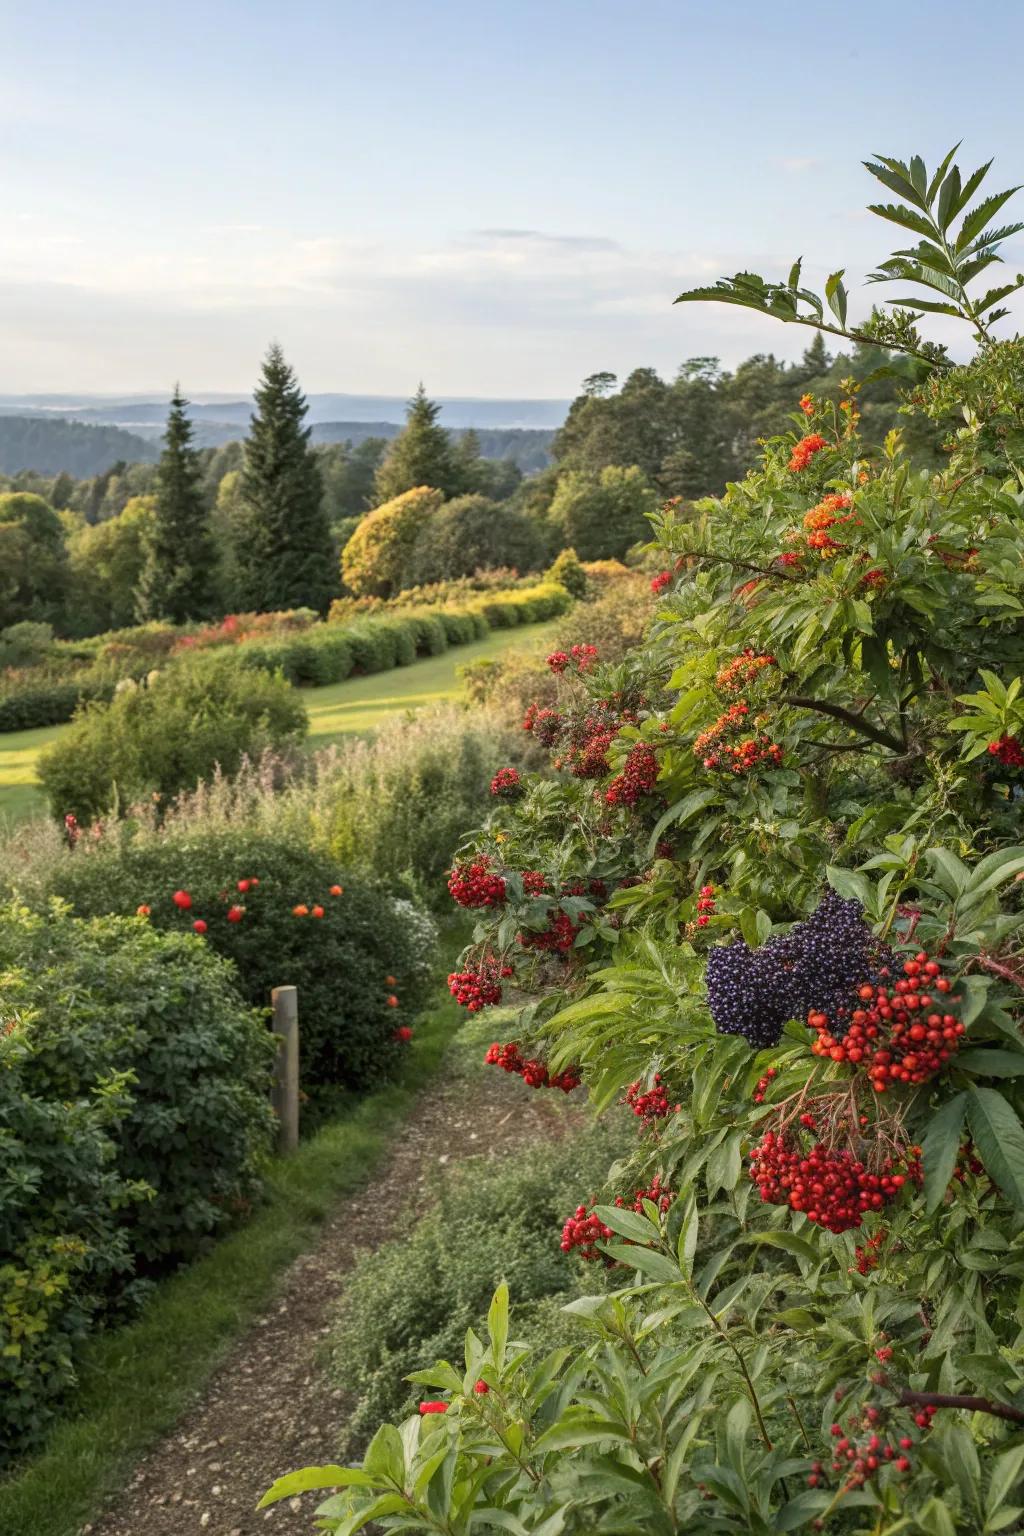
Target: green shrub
413,1299
133,1100
159,739
338,962
568,570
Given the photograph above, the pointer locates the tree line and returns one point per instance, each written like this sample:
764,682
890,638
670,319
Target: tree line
260,524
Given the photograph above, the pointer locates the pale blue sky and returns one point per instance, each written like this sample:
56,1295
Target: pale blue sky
496,197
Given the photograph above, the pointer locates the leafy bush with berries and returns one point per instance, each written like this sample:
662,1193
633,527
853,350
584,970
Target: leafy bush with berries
777,888
285,916
134,1114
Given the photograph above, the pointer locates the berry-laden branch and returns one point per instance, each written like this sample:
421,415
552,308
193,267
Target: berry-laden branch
909,1399
855,722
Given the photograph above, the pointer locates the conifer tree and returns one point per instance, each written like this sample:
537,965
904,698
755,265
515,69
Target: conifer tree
285,556
421,454
178,576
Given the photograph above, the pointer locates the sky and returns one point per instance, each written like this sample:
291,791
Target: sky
496,196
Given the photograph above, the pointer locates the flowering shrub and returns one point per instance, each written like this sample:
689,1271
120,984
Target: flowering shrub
289,929
844,1352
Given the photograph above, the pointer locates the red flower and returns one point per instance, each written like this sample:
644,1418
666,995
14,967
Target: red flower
660,582
481,1388
392,1001
300,911
235,914
199,926
807,404
142,911
317,912
433,1407
337,890
182,900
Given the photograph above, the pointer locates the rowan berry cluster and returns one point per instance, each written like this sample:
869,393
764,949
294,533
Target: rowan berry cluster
507,784
893,1033
830,1185
657,1194
1008,750
763,1084
558,937
534,882
545,724
817,965
581,658
649,1104
583,1231
739,757
660,582
585,750
638,777
743,670
534,1073
804,451
480,988
474,884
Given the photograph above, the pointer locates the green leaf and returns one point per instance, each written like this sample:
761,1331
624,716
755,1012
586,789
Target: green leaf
628,1224
976,220
656,1266
310,1478
850,884
940,1147
680,813
497,1324
385,1457
999,1138
935,1519
991,1063
1005,1475
686,1243
835,296
790,1242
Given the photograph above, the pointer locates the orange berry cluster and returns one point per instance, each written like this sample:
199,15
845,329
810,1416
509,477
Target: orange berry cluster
896,1034
804,451
743,670
738,757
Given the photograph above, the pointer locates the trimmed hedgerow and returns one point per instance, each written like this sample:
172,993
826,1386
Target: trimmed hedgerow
340,961
134,1116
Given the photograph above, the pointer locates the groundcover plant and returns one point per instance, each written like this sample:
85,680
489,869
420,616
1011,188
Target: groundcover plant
769,903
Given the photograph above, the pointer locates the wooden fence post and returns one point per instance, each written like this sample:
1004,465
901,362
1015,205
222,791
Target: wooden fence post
285,1092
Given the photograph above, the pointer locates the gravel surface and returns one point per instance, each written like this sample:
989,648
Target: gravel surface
270,1408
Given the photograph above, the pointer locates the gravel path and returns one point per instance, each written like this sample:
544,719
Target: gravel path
270,1407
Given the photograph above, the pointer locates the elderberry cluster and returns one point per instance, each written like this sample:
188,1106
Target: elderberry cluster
816,966
534,1073
475,885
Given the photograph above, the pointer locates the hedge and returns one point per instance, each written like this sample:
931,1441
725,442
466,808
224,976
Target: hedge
312,657
134,1120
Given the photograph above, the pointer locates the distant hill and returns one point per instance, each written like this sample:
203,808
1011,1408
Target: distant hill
52,445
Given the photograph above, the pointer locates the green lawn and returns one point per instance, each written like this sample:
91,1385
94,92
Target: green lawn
357,705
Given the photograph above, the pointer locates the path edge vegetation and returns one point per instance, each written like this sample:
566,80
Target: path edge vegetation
136,1382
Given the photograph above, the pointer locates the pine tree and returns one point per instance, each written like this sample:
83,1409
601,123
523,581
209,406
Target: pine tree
421,454
178,576
285,558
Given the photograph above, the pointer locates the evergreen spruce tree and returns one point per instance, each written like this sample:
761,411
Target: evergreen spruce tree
421,454
285,556
177,581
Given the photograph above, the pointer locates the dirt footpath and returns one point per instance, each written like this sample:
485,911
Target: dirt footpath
271,1408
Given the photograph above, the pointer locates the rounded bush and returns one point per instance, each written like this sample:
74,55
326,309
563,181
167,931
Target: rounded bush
135,1114
339,961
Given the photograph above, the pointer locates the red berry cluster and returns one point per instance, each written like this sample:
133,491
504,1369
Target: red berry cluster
763,1084
480,988
660,582
743,670
895,1034
832,1187
534,882
72,831
860,1452
582,657
507,785
705,905
648,1104
657,1194
534,1073
1007,749
638,777
475,885
583,1231
804,451
558,937
586,752
545,724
